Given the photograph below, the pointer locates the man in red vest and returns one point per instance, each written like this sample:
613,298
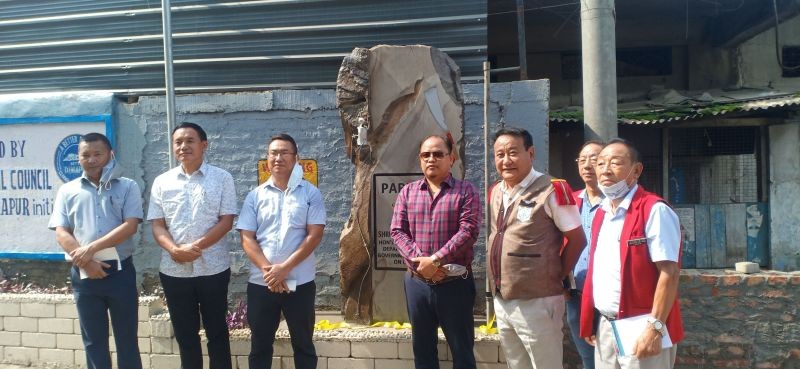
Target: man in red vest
634,265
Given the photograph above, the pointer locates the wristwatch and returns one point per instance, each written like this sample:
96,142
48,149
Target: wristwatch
657,325
436,262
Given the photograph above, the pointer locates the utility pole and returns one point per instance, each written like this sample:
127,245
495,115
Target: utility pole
599,60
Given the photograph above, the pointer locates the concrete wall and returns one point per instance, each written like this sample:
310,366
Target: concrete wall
238,126
758,66
784,195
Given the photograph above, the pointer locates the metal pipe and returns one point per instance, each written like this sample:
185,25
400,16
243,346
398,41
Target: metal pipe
598,50
521,45
486,217
166,20
503,70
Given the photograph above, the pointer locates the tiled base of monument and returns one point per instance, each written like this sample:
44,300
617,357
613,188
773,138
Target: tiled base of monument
42,331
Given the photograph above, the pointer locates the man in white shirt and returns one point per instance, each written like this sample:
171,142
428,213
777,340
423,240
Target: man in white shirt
634,265
192,207
281,223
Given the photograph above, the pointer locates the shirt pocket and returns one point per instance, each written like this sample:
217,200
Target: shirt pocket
297,212
117,202
207,201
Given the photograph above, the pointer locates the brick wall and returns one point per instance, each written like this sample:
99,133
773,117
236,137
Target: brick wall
43,331
732,320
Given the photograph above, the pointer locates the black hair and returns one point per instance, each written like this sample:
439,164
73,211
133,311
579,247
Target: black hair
444,139
94,137
633,152
592,142
283,137
527,139
194,126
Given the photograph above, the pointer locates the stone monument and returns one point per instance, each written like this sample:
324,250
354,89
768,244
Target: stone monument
390,98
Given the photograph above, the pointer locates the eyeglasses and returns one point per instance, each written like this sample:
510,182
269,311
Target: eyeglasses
436,155
583,160
275,154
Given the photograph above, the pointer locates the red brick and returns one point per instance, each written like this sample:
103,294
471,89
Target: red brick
768,365
755,280
729,292
787,318
794,353
733,363
777,280
709,279
731,280
736,351
774,293
714,292
726,338
796,280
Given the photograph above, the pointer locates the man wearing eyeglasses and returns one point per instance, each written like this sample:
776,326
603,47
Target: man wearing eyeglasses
588,201
634,267
435,224
281,223
531,214
192,207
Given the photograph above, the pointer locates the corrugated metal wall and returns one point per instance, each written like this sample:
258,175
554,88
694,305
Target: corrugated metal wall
48,45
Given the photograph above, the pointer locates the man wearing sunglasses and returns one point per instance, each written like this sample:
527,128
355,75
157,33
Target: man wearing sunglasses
435,224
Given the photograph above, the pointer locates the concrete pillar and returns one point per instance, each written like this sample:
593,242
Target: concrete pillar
784,195
598,46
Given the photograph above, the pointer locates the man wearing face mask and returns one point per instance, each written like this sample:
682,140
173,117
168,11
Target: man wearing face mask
94,217
281,223
435,224
634,265
531,215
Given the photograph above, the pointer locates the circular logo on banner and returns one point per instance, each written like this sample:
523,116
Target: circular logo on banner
66,160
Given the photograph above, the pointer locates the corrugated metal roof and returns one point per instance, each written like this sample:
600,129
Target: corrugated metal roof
50,45
705,104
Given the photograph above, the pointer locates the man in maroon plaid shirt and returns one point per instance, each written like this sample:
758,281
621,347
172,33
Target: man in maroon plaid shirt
435,224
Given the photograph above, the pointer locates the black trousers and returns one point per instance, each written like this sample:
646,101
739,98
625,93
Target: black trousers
189,300
264,314
448,305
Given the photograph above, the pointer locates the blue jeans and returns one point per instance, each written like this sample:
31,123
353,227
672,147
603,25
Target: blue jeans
585,350
448,305
96,299
264,314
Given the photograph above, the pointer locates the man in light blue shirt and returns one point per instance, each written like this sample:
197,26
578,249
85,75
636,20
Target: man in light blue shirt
281,223
94,217
588,201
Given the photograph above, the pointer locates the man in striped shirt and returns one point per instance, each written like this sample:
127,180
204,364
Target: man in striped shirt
435,224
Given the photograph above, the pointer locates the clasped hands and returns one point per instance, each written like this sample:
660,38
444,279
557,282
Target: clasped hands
82,258
275,277
185,252
427,269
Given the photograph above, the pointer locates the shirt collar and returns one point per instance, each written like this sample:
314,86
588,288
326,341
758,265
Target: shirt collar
203,170
532,176
585,199
449,181
295,179
605,204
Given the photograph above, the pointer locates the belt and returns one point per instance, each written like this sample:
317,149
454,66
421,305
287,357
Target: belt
444,280
609,317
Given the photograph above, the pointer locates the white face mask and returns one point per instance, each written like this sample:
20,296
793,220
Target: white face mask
616,190
105,177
